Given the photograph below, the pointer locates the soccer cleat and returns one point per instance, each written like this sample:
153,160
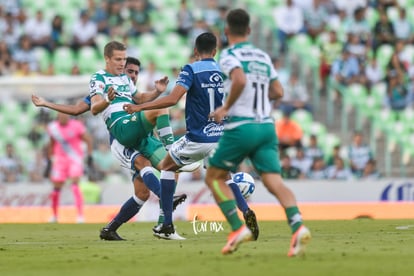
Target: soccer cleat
178,199
236,238
80,219
166,232
251,223
53,219
110,235
300,239
189,168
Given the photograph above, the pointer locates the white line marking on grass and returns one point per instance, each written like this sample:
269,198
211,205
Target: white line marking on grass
404,227
24,243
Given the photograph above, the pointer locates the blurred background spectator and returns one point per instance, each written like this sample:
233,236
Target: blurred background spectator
356,42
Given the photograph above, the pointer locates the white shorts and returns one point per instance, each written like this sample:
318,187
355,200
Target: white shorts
125,156
185,152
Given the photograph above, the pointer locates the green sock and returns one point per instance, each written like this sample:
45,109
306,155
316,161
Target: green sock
165,132
229,210
294,218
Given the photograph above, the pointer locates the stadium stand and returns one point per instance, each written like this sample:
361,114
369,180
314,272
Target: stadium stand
390,133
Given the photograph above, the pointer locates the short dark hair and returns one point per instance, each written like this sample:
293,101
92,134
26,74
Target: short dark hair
112,46
238,21
206,43
132,60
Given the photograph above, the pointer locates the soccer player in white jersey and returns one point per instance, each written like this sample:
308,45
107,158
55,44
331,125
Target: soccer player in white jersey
127,157
202,83
251,83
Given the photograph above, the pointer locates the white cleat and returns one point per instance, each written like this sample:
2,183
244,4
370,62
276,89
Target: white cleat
166,232
80,219
300,239
235,238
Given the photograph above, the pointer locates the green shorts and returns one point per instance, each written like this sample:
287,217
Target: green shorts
152,149
130,129
257,141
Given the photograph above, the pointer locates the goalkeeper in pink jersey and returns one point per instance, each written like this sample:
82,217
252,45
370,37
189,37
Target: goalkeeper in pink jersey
65,150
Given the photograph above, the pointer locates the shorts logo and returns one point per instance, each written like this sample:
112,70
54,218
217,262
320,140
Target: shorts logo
133,118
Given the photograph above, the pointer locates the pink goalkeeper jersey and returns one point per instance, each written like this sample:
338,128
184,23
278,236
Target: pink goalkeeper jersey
68,140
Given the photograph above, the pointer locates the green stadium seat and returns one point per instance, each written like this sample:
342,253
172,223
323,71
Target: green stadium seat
328,142
317,128
407,117
379,90
63,60
407,149
10,109
147,43
303,118
43,58
392,13
396,133
87,60
300,43
8,132
372,16
385,52
382,120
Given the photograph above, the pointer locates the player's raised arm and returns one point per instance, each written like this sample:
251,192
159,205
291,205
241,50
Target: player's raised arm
72,109
160,87
167,101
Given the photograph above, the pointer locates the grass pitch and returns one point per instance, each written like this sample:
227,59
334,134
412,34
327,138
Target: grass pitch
358,247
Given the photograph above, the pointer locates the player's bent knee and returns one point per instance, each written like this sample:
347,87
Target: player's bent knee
142,194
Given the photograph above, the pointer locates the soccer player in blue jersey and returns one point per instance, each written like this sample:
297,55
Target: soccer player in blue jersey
128,158
249,131
202,83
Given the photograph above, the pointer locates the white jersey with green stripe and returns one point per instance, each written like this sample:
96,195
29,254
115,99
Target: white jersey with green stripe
124,87
254,101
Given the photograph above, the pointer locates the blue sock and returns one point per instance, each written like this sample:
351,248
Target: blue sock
128,210
167,194
151,181
241,202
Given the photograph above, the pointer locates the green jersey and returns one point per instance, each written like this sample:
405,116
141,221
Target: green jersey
124,87
254,102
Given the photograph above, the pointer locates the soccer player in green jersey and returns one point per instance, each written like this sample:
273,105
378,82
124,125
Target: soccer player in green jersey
141,193
252,83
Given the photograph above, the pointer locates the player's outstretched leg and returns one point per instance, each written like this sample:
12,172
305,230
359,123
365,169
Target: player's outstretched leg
128,210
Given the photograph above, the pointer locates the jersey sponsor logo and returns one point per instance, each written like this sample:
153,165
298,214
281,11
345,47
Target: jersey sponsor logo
121,88
179,79
128,153
211,85
248,53
213,130
216,77
257,68
398,192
